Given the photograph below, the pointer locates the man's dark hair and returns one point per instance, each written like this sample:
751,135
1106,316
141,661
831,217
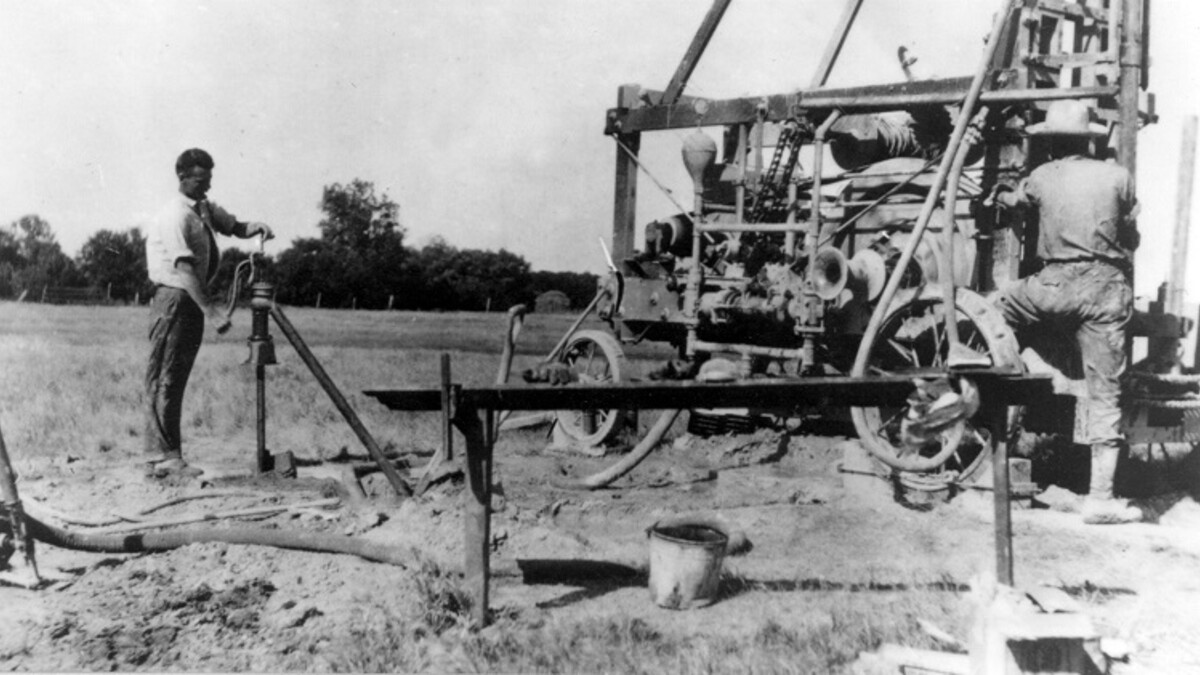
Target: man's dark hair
193,157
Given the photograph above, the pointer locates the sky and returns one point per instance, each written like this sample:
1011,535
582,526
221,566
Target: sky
482,120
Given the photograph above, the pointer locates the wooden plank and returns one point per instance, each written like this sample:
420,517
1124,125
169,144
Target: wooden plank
1000,388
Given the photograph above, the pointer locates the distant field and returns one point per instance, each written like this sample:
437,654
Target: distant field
71,377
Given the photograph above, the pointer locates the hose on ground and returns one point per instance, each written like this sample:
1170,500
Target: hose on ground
636,455
165,541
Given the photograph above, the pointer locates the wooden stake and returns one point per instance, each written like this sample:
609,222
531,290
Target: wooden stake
1000,498
477,509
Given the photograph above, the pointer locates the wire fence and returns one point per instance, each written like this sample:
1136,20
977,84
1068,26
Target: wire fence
65,295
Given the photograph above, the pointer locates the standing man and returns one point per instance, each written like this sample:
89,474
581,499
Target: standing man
181,258
1086,239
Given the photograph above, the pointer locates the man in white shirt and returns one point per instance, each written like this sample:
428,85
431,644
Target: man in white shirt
181,258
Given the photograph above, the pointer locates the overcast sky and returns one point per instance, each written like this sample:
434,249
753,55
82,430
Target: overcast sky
483,120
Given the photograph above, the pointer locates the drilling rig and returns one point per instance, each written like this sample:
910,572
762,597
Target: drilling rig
881,255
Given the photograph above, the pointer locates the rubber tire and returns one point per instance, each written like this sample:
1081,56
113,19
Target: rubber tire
610,421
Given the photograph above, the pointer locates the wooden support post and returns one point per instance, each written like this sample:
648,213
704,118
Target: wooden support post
477,509
625,184
447,451
1130,84
402,488
1002,509
835,45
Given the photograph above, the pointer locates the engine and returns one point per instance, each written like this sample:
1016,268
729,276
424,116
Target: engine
779,293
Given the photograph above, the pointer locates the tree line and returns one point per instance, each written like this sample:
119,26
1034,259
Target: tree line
360,259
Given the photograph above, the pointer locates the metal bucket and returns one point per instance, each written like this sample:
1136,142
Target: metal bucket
685,563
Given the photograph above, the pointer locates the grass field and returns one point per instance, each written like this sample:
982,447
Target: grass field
72,376
71,389
828,577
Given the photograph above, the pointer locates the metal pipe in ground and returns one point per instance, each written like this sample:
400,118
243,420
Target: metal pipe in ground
402,488
262,458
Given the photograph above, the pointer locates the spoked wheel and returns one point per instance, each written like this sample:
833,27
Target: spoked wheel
913,337
596,357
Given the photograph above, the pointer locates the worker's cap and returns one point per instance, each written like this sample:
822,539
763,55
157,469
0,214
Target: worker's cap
1067,118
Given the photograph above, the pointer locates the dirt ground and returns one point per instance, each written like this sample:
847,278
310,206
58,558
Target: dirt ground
820,541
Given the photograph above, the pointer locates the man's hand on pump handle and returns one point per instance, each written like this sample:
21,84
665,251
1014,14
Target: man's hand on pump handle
218,315
259,230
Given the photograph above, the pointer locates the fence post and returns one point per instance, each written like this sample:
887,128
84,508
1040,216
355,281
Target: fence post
108,295
354,302
391,301
318,300
43,295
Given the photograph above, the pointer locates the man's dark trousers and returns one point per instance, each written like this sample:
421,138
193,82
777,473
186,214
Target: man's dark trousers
176,330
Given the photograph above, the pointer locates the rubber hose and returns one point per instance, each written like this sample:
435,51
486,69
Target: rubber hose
952,148
636,455
165,541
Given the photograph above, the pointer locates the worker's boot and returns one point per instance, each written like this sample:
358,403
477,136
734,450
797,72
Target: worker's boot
1101,507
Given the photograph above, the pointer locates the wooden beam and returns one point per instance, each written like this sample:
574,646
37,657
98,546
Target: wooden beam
767,393
834,48
780,107
699,43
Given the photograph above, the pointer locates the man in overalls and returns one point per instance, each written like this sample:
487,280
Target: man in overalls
1086,240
